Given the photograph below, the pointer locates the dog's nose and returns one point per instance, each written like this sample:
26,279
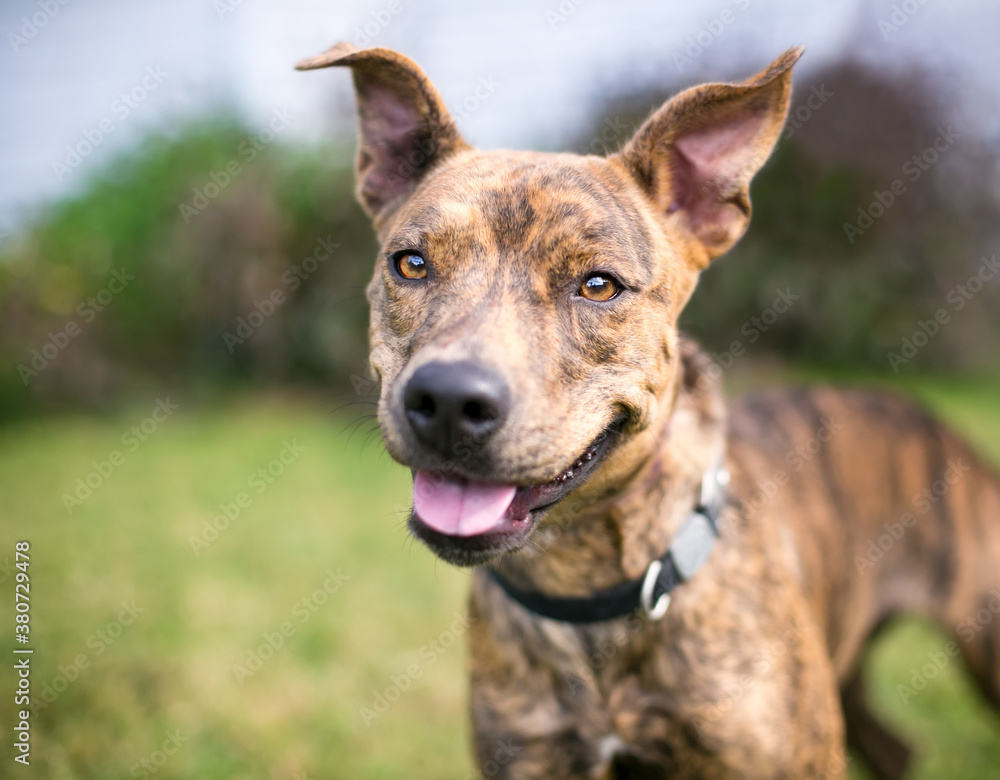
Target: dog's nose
451,404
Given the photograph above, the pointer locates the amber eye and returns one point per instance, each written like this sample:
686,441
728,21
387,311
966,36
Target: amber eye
410,265
600,288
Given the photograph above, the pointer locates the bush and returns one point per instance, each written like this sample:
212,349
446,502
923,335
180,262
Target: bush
201,237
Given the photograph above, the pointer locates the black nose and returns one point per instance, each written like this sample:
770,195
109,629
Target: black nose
455,405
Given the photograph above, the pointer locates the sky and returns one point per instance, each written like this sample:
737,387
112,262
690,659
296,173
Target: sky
81,79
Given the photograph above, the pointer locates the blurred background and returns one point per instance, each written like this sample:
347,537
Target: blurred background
222,582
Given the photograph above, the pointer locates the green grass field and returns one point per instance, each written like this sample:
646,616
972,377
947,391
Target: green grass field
263,652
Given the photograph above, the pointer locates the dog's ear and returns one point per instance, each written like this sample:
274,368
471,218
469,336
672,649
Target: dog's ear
404,126
696,155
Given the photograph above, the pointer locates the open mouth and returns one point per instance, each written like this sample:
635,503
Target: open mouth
467,522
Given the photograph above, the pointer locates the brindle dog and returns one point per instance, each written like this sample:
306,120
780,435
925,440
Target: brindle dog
524,329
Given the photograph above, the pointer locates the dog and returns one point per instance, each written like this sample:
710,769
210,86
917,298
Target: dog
665,587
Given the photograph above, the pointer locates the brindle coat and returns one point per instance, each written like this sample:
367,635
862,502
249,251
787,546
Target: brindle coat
755,668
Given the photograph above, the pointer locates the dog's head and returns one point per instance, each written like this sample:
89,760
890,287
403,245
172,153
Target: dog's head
524,306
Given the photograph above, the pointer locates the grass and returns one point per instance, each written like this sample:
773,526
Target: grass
319,551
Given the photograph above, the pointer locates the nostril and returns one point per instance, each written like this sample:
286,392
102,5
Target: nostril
477,411
424,405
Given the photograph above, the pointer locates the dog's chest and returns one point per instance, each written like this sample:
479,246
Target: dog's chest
633,693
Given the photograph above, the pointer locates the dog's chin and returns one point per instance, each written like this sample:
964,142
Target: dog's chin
525,512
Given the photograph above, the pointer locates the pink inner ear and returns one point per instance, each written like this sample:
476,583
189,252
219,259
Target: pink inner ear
713,163
722,149
394,148
389,118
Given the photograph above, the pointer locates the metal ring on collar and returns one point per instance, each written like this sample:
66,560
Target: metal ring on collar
659,609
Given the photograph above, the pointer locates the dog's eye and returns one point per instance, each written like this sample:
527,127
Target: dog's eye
410,265
600,288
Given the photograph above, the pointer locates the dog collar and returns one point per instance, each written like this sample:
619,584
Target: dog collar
650,594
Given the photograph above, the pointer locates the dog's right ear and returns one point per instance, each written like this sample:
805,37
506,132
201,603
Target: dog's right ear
405,129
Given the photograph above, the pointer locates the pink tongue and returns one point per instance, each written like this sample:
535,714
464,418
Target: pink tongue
458,507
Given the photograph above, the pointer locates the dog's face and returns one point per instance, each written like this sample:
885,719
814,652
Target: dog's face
524,305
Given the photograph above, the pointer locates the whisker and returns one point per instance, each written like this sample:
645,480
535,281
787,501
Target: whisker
359,420
357,426
356,402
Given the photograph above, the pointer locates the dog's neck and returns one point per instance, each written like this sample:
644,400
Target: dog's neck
614,538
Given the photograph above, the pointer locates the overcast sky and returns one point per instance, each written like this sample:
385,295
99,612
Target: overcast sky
128,66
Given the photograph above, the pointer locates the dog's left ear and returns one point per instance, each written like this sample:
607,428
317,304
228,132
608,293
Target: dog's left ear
696,155
404,127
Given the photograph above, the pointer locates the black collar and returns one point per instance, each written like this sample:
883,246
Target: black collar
650,594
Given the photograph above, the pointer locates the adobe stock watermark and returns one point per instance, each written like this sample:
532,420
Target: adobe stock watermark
752,329
259,481
423,149
87,311
468,105
911,172
562,12
818,96
32,25
604,651
760,667
362,385
121,109
247,151
612,134
796,459
709,33
303,610
958,296
901,14
223,8
154,762
429,654
6,570
291,280
505,751
835,767
938,661
931,495
131,439
372,27
99,642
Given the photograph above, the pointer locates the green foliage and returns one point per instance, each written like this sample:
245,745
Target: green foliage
853,300
199,262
